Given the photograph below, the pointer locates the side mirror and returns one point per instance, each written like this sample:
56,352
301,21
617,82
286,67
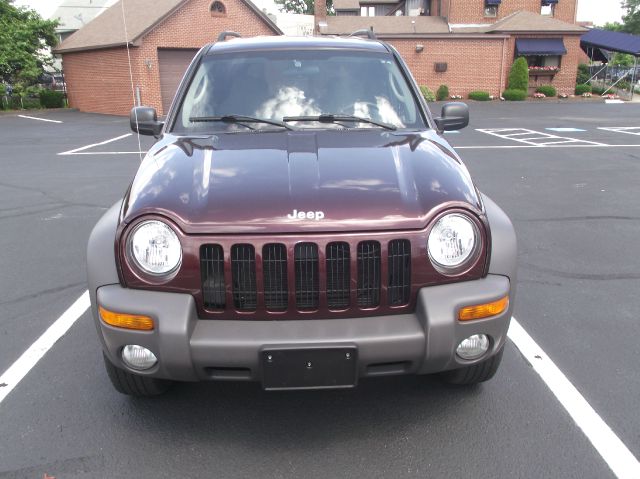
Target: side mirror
455,116
144,120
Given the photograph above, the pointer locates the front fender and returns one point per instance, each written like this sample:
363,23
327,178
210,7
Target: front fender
504,245
101,261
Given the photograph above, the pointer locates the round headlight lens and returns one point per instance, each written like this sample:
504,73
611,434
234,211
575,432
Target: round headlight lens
155,248
453,241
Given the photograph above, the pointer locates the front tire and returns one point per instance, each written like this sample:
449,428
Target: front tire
475,373
133,384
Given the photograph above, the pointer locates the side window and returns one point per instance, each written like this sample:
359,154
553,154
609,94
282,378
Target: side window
218,9
547,9
491,11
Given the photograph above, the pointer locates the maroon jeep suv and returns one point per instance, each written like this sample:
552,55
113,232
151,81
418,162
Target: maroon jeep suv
301,222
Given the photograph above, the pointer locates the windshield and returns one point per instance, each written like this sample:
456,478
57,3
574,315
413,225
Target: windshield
277,85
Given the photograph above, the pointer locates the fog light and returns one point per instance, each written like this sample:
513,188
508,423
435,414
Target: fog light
138,357
473,347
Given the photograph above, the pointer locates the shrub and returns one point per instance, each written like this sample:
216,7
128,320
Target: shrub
596,90
548,90
427,93
442,93
3,89
479,96
51,99
519,75
583,74
623,85
514,95
580,89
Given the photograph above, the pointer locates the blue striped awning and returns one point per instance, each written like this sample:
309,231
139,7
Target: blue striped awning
549,2
612,41
540,46
491,2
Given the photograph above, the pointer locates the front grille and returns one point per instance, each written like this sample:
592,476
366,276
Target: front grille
212,274
368,274
338,275
308,277
274,266
399,284
243,269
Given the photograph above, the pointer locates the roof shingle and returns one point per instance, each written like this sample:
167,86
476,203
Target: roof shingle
108,29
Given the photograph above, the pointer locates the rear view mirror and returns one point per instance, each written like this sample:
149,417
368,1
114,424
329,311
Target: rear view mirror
455,116
144,120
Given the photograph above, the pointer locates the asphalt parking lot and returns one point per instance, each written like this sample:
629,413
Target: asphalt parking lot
566,173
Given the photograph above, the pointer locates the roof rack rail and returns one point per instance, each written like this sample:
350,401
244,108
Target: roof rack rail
365,32
223,36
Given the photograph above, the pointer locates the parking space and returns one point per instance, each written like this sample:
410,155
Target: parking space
565,173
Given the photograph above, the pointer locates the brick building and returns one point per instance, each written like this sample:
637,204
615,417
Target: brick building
162,36
469,44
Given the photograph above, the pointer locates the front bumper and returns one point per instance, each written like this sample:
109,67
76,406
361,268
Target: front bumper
191,349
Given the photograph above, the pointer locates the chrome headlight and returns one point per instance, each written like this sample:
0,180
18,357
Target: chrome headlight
155,248
454,242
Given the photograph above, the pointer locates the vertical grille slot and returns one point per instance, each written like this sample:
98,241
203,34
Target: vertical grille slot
338,275
243,271
307,276
212,276
274,265
399,286
368,274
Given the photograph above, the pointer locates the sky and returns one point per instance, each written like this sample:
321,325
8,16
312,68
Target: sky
596,11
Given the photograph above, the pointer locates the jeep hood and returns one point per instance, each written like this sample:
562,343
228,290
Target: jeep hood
300,181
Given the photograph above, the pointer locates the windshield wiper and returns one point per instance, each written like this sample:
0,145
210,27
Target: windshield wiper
239,119
328,118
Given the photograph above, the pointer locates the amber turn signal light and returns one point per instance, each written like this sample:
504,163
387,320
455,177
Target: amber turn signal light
126,321
485,310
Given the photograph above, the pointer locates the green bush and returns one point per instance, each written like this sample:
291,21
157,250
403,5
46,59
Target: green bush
548,90
479,96
514,95
442,93
427,93
51,99
31,103
623,85
3,89
596,90
519,75
583,74
580,89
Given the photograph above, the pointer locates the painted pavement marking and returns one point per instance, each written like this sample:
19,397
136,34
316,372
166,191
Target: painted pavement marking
614,452
560,130
630,130
535,138
39,119
82,148
25,363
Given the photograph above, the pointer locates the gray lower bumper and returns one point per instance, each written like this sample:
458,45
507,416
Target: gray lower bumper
190,349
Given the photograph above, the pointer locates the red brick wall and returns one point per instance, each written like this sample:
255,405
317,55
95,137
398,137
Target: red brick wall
98,81
472,11
472,64
565,80
477,63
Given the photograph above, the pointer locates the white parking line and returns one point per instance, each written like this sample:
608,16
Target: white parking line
618,457
631,130
82,148
621,461
572,145
41,119
545,139
19,369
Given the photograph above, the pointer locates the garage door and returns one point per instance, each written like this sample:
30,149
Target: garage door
173,64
